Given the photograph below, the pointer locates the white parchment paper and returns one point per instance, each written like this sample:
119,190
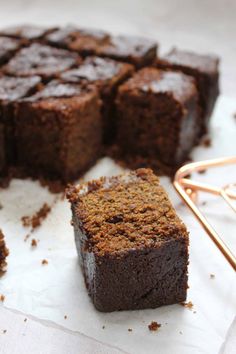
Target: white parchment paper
56,290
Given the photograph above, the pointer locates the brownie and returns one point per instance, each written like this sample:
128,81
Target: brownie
157,119
8,46
42,60
134,50
59,131
204,68
85,41
11,90
29,32
132,246
106,74
3,253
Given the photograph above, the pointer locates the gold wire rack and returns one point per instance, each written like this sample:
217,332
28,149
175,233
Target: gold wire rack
188,190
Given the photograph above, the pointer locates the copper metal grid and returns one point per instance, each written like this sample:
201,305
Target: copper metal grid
188,190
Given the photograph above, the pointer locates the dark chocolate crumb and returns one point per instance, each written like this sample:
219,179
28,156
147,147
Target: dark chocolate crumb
180,332
130,330
4,252
4,331
2,298
204,203
103,327
206,141
25,320
65,317
154,326
212,276
44,262
34,243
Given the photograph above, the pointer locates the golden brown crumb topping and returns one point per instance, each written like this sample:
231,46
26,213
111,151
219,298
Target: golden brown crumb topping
124,212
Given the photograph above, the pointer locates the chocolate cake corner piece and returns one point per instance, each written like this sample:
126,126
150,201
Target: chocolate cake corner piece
11,91
42,60
157,119
26,31
106,74
132,246
59,131
8,47
134,50
205,70
4,252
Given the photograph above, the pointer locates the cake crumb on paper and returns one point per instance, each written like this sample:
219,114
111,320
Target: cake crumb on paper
44,262
34,243
103,327
188,304
206,141
4,331
212,276
25,320
37,219
2,298
26,237
154,326
65,317
130,330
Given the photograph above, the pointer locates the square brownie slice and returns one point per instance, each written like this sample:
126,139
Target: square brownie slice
4,252
134,50
85,41
8,47
157,119
11,91
42,60
29,32
59,131
106,74
205,70
132,246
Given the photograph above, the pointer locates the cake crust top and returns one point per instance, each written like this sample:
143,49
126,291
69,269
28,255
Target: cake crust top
155,81
42,60
15,88
125,212
207,64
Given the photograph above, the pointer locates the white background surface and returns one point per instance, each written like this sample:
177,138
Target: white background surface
52,291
